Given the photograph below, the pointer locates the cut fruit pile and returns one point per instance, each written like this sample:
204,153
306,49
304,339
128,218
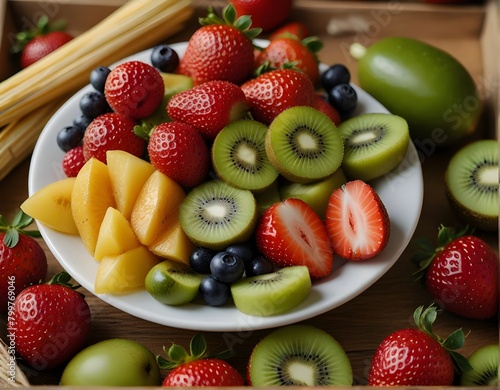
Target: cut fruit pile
293,187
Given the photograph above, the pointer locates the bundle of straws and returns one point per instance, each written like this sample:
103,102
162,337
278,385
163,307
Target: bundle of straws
30,97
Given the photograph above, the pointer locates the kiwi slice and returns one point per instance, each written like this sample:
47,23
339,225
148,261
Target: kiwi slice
273,293
216,214
299,355
172,283
375,144
472,184
239,156
304,144
484,362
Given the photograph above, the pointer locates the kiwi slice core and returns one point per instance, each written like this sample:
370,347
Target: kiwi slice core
375,143
299,355
472,184
304,145
239,156
216,214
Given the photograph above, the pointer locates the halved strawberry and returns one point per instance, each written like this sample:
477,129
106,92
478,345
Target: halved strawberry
357,221
291,233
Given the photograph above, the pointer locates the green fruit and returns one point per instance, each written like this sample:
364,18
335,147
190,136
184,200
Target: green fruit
113,362
484,362
216,214
239,156
172,283
273,293
304,145
423,84
471,181
374,144
267,197
315,194
175,83
299,355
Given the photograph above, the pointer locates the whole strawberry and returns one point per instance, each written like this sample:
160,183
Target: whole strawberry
221,49
37,43
288,49
52,323
111,131
417,356
22,260
208,107
265,14
276,90
197,368
461,273
177,150
134,89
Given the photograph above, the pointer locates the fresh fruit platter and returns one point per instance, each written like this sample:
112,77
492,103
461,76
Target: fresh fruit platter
302,217
401,191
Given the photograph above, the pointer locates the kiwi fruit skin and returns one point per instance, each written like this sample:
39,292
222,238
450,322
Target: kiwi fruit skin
172,283
281,140
271,359
216,214
257,296
234,146
484,362
374,144
474,164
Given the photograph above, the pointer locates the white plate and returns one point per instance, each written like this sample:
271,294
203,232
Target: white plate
401,191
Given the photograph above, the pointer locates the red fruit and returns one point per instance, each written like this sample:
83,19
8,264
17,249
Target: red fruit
273,92
41,45
22,259
417,357
321,104
208,107
221,49
73,161
196,368
461,273
357,221
134,89
265,14
177,150
290,50
111,131
291,233
296,29
52,323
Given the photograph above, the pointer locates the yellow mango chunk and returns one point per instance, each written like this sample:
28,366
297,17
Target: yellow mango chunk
124,273
91,197
128,173
51,206
115,236
159,197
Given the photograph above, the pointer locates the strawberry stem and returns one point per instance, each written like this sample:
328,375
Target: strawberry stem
63,279
16,227
425,318
43,27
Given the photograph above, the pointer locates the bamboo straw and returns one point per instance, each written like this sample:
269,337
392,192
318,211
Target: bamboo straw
8,378
136,25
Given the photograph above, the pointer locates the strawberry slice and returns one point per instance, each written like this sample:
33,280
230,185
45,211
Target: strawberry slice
357,221
291,233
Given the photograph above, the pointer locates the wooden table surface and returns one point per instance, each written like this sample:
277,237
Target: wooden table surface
359,325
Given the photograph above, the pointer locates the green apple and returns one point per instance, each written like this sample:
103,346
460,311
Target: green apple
113,362
315,194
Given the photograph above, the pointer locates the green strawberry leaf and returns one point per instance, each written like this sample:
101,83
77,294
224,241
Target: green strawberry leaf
11,238
198,346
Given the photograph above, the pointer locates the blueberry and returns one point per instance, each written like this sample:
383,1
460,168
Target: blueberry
200,258
344,98
93,104
214,292
69,137
335,75
164,58
259,266
227,267
98,78
82,122
245,250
